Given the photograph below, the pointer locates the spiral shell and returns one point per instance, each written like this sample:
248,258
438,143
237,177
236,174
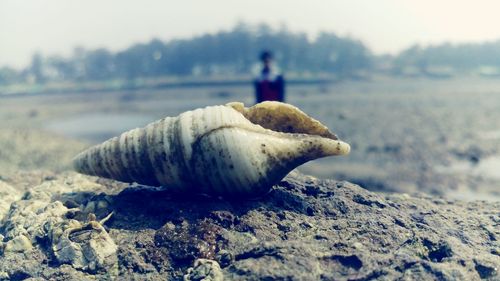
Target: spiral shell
223,150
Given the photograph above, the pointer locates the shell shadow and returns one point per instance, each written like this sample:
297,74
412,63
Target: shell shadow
143,207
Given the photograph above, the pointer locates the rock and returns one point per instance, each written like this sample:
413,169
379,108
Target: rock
8,194
42,219
224,258
18,244
304,229
486,269
85,246
204,270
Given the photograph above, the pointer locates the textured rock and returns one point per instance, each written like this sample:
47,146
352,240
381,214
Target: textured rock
85,246
41,218
204,270
8,194
19,243
304,229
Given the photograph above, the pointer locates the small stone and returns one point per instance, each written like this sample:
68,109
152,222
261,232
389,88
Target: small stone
486,269
8,194
206,270
88,246
71,204
357,245
102,204
2,244
225,258
19,244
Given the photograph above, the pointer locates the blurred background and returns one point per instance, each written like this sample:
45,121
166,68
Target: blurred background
413,86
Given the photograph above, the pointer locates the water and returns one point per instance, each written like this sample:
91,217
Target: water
487,168
490,135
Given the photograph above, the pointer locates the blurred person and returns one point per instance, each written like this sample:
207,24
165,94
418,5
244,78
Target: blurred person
269,84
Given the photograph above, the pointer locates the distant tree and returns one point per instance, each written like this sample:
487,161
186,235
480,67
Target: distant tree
225,52
9,76
143,60
64,69
235,52
458,58
36,68
99,65
333,54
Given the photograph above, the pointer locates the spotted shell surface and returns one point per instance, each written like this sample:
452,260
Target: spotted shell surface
224,150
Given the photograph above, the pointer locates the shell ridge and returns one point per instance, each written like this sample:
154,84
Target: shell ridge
118,161
145,164
212,174
110,147
88,160
178,152
152,131
216,181
221,147
131,154
124,140
106,167
167,158
132,157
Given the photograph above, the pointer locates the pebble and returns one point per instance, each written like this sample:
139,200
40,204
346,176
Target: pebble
19,244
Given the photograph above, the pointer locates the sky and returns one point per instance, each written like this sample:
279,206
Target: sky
385,26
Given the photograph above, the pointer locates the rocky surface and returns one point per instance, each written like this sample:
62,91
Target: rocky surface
8,194
72,227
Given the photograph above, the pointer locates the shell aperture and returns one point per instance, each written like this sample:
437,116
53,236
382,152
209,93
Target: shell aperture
226,150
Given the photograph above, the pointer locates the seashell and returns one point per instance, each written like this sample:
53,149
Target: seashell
226,150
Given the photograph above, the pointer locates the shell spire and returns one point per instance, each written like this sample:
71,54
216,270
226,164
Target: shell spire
222,150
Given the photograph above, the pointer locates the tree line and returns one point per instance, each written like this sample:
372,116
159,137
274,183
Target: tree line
227,52
449,59
236,51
